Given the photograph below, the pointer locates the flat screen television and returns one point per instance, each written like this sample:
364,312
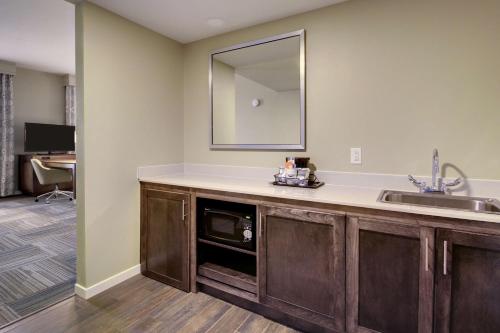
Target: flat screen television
48,138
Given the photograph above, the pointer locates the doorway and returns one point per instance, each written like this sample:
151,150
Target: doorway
37,237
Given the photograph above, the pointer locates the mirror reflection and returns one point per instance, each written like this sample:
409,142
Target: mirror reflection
257,96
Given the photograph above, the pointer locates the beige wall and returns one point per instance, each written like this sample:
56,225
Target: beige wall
395,77
38,98
7,67
276,120
224,101
132,105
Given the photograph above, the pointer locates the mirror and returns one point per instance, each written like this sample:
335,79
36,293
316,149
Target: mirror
257,94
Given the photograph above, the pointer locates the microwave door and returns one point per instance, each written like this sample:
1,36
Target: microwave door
225,240
223,226
209,211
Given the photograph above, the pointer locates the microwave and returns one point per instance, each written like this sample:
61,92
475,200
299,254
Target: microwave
234,228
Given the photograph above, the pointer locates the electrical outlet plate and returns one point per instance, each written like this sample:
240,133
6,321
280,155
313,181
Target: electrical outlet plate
355,155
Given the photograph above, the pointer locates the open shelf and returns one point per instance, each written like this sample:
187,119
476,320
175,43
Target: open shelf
226,288
225,268
220,256
220,264
228,276
228,247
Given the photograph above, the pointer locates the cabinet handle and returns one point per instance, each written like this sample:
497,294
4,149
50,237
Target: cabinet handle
445,249
426,254
183,215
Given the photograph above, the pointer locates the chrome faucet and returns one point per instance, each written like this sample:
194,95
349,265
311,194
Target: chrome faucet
435,168
437,186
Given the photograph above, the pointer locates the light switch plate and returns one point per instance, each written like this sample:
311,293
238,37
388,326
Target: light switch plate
355,155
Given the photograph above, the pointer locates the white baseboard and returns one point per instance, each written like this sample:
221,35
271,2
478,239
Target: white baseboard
112,281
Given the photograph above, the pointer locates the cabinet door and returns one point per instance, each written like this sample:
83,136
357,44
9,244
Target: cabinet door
467,282
389,276
164,237
302,264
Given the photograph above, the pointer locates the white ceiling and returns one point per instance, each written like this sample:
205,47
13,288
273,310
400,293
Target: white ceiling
278,75
188,20
38,34
260,53
275,65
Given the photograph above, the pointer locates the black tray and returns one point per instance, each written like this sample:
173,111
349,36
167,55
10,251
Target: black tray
310,185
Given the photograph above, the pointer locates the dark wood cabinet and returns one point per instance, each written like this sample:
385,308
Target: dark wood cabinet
330,268
389,276
164,237
467,282
302,264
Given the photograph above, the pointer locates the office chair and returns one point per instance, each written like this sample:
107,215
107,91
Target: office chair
49,176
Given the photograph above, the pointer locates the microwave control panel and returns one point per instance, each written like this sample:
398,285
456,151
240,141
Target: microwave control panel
247,234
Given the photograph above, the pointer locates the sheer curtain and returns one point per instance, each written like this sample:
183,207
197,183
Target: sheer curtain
7,180
70,105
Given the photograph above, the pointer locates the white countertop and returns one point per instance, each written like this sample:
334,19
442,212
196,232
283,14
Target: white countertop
356,196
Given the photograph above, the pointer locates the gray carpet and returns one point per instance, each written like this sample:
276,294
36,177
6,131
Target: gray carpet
37,255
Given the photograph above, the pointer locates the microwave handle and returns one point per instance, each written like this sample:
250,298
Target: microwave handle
222,212
225,239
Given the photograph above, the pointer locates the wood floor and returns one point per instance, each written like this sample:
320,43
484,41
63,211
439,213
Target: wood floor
144,305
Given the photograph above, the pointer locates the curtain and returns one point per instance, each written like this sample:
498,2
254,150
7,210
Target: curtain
7,181
70,105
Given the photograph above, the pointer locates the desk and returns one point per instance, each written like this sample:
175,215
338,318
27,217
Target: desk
66,164
28,182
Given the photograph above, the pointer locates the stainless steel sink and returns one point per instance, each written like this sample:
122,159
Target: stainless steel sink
479,205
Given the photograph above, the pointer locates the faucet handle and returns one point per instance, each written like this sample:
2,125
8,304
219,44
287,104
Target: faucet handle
455,182
417,183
